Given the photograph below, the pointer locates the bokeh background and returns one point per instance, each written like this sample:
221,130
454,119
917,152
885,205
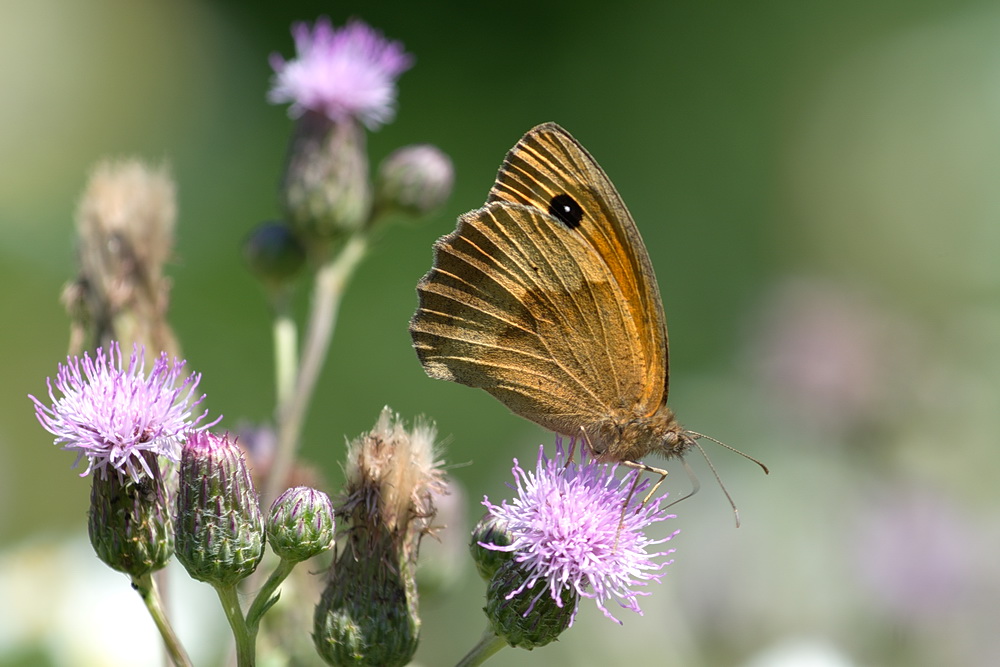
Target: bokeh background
817,187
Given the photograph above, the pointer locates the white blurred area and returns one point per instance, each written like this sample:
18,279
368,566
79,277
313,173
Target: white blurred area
802,652
64,607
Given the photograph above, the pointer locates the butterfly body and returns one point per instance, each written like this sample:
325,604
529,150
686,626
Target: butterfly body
545,297
622,437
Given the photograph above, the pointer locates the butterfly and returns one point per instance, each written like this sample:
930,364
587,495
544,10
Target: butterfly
546,298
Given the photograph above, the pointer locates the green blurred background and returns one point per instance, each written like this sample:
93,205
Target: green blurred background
817,187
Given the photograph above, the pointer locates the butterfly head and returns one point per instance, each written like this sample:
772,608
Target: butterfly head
677,442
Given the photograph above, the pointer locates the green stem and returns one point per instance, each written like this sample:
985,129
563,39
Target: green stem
264,600
330,283
285,351
246,655
489,644
150,595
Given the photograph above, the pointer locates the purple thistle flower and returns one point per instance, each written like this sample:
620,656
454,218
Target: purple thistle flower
340,73
569,531
111,414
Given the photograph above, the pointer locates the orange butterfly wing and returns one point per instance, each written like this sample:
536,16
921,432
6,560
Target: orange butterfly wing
546,297
548,161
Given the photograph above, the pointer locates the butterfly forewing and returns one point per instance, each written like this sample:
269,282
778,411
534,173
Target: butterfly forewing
549,162
554,310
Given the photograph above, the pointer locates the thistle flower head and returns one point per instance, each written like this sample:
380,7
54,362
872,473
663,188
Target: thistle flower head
274,255
525,620
570,532
111,413
342,73
489,534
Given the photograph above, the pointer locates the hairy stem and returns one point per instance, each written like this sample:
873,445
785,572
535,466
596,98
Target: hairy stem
246,653
150,595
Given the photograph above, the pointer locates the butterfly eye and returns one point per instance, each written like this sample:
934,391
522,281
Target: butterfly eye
567,210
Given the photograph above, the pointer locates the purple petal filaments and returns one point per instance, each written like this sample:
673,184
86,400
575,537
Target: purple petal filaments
111,413
569,531
341,73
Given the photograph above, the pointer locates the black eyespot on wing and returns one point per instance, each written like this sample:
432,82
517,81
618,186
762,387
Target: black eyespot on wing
567,210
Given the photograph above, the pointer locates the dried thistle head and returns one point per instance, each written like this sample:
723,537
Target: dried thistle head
368,612
125,234
392,474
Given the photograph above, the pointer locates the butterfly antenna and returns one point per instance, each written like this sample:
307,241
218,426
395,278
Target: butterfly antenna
718,479
695,484
697,435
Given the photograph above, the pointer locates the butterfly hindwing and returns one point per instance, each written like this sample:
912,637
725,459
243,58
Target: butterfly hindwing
504,288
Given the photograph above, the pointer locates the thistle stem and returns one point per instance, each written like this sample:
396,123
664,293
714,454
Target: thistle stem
246,654
489,644
150,595
328,291
265,596
285,350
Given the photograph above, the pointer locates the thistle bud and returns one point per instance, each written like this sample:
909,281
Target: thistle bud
523,616
300,524
367,615
219,529
414,180
490,530
326,193
129,521
273,254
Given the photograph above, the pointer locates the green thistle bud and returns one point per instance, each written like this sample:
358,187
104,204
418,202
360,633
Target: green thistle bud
530,618
489,531
219,529
300,524
367,615
129,521
274,254
414,180
326,193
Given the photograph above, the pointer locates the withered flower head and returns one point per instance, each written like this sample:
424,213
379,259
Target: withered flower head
367,614
125,234
391,475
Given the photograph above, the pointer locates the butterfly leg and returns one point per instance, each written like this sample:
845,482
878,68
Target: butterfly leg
572,448
642,467
638,465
